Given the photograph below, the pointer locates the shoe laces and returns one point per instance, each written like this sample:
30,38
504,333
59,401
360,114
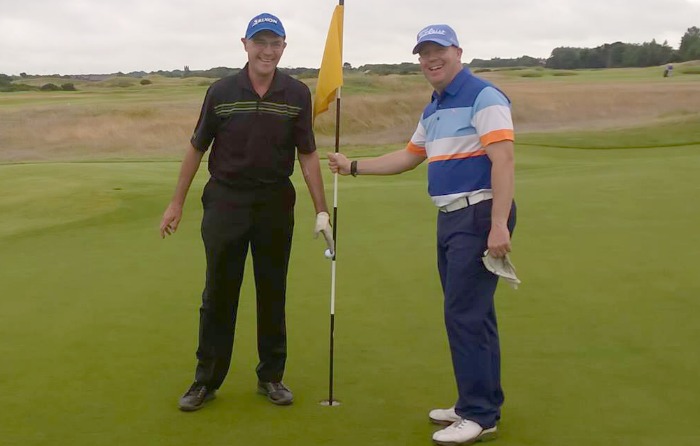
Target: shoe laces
197,389
460,424
278,386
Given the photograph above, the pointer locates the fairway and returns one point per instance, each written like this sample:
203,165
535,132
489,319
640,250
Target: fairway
99,315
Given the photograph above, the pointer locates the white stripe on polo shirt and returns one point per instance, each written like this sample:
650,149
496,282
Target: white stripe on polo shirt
453,148
492,118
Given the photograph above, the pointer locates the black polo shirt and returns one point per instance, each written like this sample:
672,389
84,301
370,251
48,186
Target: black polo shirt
254,138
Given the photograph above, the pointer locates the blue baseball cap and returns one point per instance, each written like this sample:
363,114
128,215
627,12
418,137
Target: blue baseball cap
264,22
440,34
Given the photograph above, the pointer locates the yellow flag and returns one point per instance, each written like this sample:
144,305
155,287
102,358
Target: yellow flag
330,76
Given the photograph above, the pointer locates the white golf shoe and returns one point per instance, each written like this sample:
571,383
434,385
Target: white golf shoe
444,417
463,432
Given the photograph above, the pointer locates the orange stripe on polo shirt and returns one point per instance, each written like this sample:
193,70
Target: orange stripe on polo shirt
415,149
457,156
497,136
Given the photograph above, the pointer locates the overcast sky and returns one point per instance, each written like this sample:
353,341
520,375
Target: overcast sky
106,36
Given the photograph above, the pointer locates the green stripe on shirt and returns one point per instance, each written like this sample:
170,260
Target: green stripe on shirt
228,109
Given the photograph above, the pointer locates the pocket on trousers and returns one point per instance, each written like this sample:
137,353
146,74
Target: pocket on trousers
482,216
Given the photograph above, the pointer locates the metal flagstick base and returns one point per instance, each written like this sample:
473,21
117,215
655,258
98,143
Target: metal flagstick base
333,403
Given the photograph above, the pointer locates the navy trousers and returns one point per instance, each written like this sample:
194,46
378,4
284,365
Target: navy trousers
470,315
235,219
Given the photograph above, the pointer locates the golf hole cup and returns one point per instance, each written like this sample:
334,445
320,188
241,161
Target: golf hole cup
328,254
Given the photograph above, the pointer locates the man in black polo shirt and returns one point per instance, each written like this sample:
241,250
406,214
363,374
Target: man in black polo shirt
256,121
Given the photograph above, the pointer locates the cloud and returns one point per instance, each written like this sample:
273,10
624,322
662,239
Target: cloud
104,36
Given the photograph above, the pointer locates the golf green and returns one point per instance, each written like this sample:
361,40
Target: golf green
99,315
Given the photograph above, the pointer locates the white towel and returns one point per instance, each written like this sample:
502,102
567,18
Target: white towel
501,267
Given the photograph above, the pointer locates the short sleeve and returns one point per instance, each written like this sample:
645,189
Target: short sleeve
206,127
492,117
417,143
304,139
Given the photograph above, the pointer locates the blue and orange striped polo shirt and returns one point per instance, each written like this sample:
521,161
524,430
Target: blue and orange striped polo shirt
453,132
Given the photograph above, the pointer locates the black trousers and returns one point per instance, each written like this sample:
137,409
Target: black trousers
261,218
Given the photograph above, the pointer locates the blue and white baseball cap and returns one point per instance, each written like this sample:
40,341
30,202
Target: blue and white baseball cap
440,34
264,22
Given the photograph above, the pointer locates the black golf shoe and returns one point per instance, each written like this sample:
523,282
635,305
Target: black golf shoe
196,397
277,393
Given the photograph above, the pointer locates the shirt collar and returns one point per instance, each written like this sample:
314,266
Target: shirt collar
277,81
453,87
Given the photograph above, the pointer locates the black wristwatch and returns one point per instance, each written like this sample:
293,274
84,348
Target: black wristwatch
353,168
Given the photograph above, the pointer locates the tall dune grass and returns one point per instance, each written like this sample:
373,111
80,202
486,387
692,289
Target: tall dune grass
103,119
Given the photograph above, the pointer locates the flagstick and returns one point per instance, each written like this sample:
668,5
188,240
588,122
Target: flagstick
335,250
336,82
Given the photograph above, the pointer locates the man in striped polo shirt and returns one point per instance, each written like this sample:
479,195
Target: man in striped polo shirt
466,134
256,122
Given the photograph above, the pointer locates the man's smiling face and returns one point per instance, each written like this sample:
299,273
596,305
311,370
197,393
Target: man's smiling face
264,52
440,64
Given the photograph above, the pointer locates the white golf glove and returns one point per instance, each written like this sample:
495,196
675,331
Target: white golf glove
323,226
501,267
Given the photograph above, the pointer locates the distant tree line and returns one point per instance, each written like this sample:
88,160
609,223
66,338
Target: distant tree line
525,61
6,85
618,54
384,69
299,72
615,55
214,73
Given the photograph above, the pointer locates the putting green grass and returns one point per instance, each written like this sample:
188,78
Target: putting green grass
99,316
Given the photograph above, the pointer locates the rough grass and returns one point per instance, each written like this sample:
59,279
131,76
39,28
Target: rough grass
155,121
103,119
594,75
690,70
